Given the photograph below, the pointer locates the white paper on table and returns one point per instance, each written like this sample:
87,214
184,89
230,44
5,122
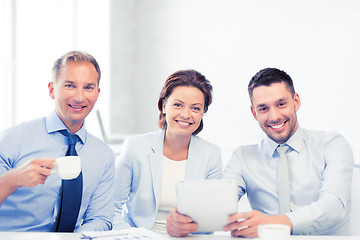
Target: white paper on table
124,234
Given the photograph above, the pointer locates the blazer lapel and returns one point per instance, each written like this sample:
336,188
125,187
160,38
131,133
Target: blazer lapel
194,161
155,162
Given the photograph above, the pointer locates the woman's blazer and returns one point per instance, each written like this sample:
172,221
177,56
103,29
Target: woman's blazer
137,187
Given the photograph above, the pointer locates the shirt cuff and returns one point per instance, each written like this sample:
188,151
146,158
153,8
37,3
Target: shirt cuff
301,220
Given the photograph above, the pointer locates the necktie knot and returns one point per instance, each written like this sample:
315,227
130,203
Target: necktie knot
72,139
282,149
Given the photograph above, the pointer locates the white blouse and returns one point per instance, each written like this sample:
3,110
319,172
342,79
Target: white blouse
172,172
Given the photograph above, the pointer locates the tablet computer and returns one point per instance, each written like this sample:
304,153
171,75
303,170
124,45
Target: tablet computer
207,202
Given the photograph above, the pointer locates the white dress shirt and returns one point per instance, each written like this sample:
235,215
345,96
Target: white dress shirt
320,172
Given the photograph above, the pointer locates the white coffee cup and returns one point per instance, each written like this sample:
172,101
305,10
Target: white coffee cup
68,167
274,232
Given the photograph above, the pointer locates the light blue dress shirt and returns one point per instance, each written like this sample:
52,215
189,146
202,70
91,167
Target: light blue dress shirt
320,172
36,208
138,181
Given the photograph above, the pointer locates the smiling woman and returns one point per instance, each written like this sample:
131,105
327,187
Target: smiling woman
183,111
159,159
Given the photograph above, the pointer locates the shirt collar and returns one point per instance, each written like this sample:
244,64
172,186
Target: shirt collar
53,124
295,142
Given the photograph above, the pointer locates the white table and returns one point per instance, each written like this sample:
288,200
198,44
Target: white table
77,236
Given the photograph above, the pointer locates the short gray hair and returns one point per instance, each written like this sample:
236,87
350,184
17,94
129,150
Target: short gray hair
76,57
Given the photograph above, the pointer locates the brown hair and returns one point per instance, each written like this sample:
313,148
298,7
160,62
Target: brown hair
268,76
190,78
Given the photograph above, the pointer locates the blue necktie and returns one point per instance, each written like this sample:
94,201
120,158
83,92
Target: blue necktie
71,193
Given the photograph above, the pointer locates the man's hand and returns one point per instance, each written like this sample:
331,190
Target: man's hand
246,224
33,172
29,174
179,225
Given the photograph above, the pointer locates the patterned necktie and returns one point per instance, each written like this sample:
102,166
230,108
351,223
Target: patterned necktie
283,181
71,193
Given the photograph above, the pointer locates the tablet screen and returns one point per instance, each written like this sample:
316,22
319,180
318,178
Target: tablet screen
207,202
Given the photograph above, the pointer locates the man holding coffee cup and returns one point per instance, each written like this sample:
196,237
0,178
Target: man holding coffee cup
34,196
295,176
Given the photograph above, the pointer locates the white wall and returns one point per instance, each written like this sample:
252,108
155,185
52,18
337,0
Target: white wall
315,42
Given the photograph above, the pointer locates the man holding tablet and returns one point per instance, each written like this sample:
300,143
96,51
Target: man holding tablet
294,176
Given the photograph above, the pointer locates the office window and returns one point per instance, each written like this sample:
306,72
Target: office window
34,34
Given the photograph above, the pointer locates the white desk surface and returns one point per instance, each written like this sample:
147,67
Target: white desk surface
77,236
